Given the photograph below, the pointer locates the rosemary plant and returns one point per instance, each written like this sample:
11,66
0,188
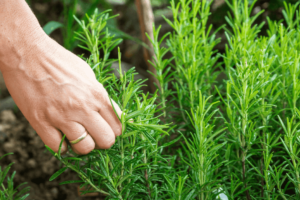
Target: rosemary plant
244,84
192,76
191,45
263,83
7,190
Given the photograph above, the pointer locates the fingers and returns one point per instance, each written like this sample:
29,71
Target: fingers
108,113
106,110
73,131
100,130
51,137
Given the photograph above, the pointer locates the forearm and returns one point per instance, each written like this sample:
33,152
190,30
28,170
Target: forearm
20,32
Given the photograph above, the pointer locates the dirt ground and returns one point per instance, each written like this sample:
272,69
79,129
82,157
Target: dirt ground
32,162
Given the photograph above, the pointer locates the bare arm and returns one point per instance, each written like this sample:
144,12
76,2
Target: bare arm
19,32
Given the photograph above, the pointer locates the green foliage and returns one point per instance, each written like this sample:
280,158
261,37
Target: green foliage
95,36
263,84
7,190
234,139
192,76
163,68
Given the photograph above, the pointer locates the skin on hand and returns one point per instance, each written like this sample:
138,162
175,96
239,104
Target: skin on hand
58,91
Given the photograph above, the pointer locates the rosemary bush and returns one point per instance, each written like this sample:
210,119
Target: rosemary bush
199,138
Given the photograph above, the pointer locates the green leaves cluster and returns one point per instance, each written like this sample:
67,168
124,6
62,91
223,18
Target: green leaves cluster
7,189
258,157
188,79
262,88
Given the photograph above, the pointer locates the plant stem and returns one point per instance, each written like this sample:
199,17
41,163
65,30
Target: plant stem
122,156
146,173
244,177
5,191
263,162
282,195
244,153
130,170
145,161
111,167
297,176
262,178
82,176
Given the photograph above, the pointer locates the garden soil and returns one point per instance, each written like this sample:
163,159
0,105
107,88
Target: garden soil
32,162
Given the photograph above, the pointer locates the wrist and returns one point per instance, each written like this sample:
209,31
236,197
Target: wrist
30,55
20,33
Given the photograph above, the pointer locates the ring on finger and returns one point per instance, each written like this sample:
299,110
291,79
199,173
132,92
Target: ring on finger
80,138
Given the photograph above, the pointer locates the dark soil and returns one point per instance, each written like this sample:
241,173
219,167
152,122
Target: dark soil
32,162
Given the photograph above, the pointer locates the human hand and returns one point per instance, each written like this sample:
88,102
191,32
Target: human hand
57,91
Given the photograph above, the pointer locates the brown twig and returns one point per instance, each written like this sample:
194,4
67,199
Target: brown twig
146,20
146,177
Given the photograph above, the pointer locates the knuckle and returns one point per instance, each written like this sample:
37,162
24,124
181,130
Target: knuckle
77,103
37,116
100,91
